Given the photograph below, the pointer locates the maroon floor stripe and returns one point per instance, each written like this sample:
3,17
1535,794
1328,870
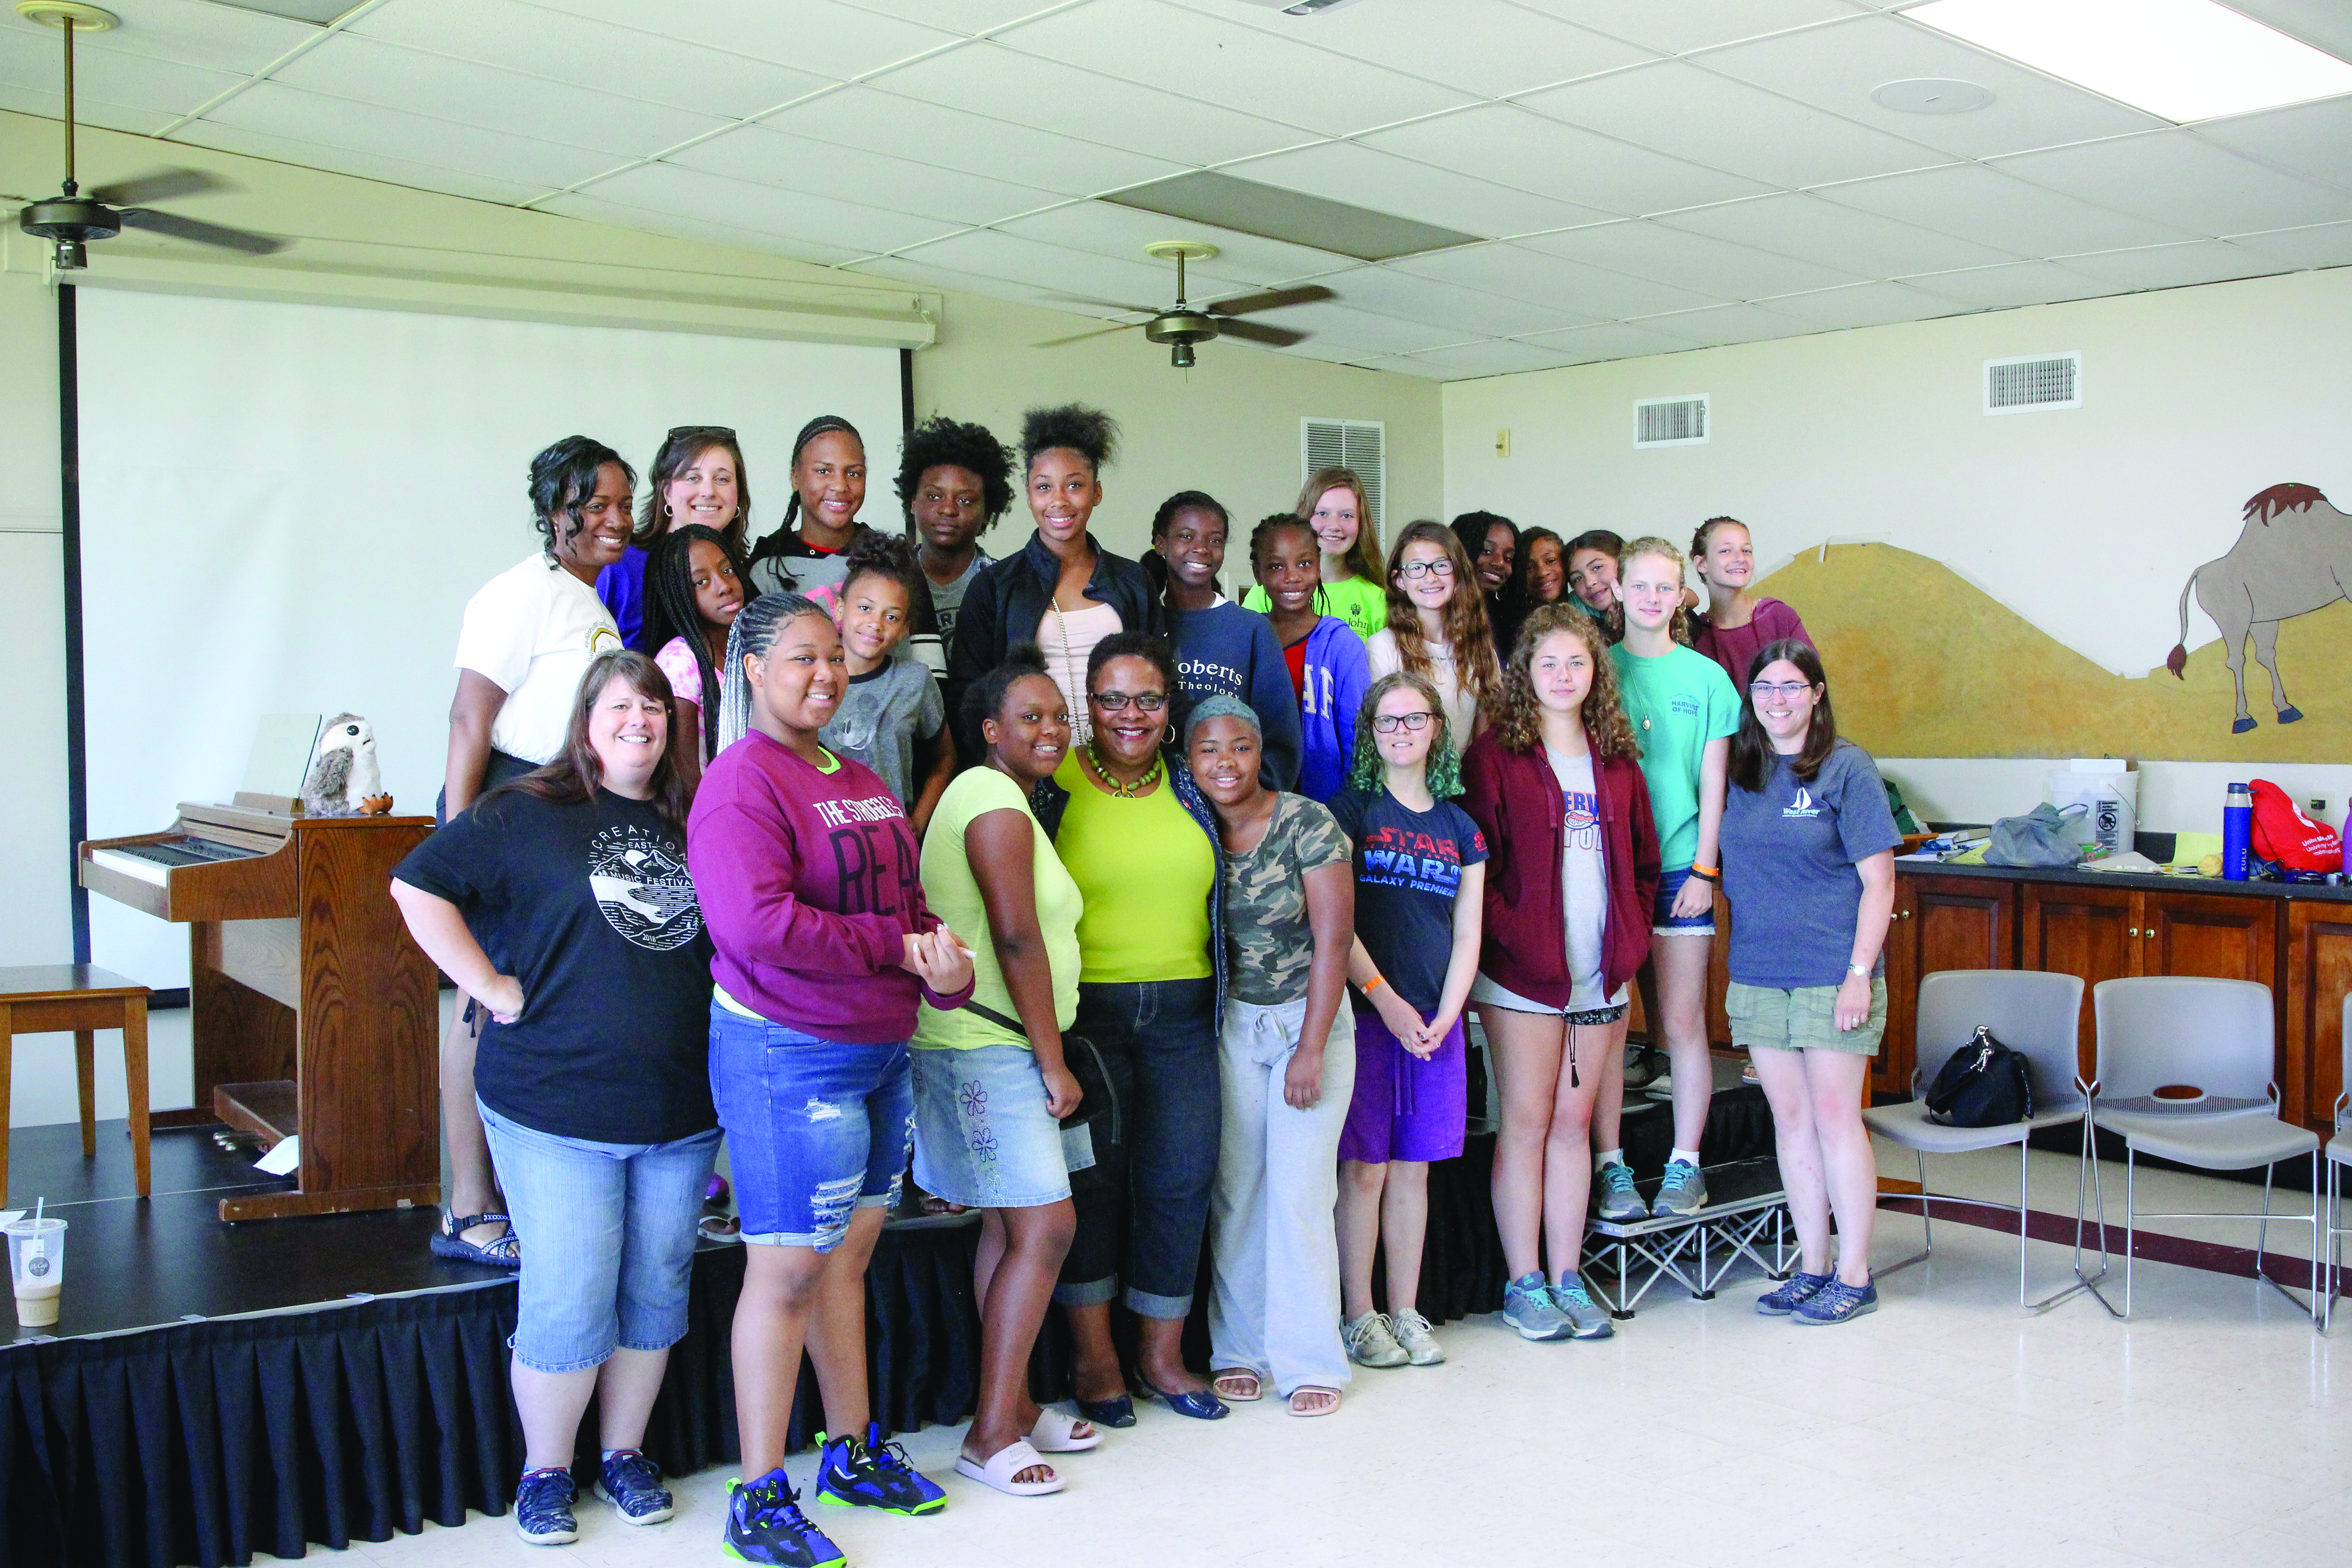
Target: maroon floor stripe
2155,1247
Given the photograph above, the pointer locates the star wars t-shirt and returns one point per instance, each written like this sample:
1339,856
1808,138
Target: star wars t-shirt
589,907
1408,872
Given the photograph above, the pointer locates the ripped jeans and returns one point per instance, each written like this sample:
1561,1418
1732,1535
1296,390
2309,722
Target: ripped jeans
816,1129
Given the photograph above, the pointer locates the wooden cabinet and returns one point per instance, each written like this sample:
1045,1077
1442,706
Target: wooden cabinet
2310,1037
2093,932
1937,923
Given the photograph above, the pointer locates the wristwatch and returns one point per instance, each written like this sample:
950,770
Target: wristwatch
1863,970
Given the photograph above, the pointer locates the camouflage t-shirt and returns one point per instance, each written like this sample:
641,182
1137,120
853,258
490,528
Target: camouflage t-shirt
1268,942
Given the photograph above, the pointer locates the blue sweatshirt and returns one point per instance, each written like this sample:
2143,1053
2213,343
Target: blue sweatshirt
1225,650
1338,671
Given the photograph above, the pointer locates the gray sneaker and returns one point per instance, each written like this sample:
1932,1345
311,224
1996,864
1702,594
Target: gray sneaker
1682,1192
1370,1343
1412,1333
1528,1307
1619,1201
1587,1318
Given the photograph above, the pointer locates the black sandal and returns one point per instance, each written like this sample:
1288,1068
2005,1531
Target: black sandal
500,1252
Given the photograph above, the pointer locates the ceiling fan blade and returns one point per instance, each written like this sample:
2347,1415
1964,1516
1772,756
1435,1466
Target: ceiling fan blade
200,232
1102,304
1081,337
1259,332
1272,299
155,185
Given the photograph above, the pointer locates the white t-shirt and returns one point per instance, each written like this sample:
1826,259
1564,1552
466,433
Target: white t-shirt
1460,712
1583,878
531,631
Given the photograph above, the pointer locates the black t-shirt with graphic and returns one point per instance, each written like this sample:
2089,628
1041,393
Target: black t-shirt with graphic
589,907
1408,872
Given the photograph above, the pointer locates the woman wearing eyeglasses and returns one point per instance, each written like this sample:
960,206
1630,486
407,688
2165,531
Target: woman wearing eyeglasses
1138,840
1437,625
1809,847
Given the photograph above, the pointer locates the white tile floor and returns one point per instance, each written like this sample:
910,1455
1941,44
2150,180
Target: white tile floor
1948,1428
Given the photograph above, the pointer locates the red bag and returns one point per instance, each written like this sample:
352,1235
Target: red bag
2283,834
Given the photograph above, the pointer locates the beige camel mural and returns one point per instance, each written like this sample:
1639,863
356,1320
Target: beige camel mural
2293,556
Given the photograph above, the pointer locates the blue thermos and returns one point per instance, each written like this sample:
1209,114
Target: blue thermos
2237,831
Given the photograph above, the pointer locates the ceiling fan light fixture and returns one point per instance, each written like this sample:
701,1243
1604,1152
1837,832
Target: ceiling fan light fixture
58,13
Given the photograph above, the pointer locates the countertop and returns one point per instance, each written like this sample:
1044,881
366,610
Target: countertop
2212,885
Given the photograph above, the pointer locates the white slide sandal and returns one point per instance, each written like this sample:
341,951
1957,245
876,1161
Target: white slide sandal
1006,1463
1056,1433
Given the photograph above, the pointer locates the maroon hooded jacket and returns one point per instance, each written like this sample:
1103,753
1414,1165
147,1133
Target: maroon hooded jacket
1514,799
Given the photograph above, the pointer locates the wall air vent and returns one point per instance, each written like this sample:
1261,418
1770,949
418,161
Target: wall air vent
1347,443
2032,382
1679,421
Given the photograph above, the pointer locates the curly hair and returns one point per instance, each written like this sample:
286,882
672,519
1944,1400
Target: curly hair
1363,557
941,443
1679,626
1089,432
1519,716
562,477
1467,635
1443,766
682,447
891,557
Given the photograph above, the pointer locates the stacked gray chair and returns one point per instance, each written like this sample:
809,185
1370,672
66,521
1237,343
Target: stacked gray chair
2036,1014
2216,1037
2339,1155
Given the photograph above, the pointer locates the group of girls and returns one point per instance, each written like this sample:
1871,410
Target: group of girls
730,877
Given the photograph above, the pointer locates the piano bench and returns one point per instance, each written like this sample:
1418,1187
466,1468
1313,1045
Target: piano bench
54,998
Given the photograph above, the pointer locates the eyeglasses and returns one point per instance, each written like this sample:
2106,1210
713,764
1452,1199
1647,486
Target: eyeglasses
1117,701
1389,723
1414,571
1769,688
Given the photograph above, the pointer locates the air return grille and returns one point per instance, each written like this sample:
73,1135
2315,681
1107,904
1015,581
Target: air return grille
2033,381
1679,421
1347,444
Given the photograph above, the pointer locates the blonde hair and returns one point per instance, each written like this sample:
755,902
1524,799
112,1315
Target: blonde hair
1678,625
1363,557
1519,716
1468,636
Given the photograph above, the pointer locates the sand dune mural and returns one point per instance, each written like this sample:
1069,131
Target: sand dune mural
1926,664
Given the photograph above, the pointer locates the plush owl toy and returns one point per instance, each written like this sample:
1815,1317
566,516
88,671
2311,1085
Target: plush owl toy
344,780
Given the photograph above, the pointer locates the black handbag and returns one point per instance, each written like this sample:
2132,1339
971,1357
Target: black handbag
1097,1097
1985,1084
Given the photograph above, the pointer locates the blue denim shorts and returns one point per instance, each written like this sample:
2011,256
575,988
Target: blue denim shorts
983,1137
816,1129
607,1233
1661,915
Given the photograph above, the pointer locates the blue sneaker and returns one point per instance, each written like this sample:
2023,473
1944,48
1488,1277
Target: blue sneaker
633,1485
1682,1192
1799,1289
1528,1307
1587,1318
765,1525
543,1508
1837,1302
1619,1201
874,1473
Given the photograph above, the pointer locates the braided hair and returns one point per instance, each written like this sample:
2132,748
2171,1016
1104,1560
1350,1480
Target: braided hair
1273,524
679,448
562,477
1155,566
942,443
671,610
752,634
773,545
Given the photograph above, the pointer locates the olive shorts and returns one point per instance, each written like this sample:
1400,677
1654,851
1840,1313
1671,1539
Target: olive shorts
1804,1019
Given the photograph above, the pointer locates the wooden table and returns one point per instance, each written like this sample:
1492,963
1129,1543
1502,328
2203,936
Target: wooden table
50,997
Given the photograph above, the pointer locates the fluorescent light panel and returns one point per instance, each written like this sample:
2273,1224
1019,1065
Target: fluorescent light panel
2182,59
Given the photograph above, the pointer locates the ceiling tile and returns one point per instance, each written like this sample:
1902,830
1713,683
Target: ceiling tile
1979,203
2312,139
1847,239
1838,68
1334,325
1049,95
1499,357
2322,24
969,17
2005,287
795,214
1465,311
1693,261
367,71
310,154
2176,178
1242,261
1489,47
50,104
193,33
1860,305
925,132
31,60
1613,340
302,116
1673,29
1721,324
1554,280
1220,61
1142,283
819,36
2175,265
591,208
1694,114
1517,147
1350,172
2321,245
648,65
873,179
952,280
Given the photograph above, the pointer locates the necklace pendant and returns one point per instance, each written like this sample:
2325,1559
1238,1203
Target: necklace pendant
1645,720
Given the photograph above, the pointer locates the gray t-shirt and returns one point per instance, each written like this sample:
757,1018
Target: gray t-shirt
930,644
1789,857
883,717
1583,878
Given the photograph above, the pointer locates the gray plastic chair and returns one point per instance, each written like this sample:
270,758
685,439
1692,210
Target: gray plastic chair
2339,1155
2028,1011
2216,1036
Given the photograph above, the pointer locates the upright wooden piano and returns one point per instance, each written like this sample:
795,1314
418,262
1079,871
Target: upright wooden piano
314,1012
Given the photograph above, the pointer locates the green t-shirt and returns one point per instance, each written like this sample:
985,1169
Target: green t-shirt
1146,869
1363,606
953,895
1678,701
1269,944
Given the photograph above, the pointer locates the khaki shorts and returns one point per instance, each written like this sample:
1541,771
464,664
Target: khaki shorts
1804,1019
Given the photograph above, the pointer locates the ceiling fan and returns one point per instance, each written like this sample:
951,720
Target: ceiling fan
72,219
1181,325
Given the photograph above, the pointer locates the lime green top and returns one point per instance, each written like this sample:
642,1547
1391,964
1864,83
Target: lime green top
1147,870
953,894
1363,606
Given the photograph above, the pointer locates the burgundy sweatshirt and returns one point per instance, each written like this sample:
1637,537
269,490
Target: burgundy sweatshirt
1736,647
